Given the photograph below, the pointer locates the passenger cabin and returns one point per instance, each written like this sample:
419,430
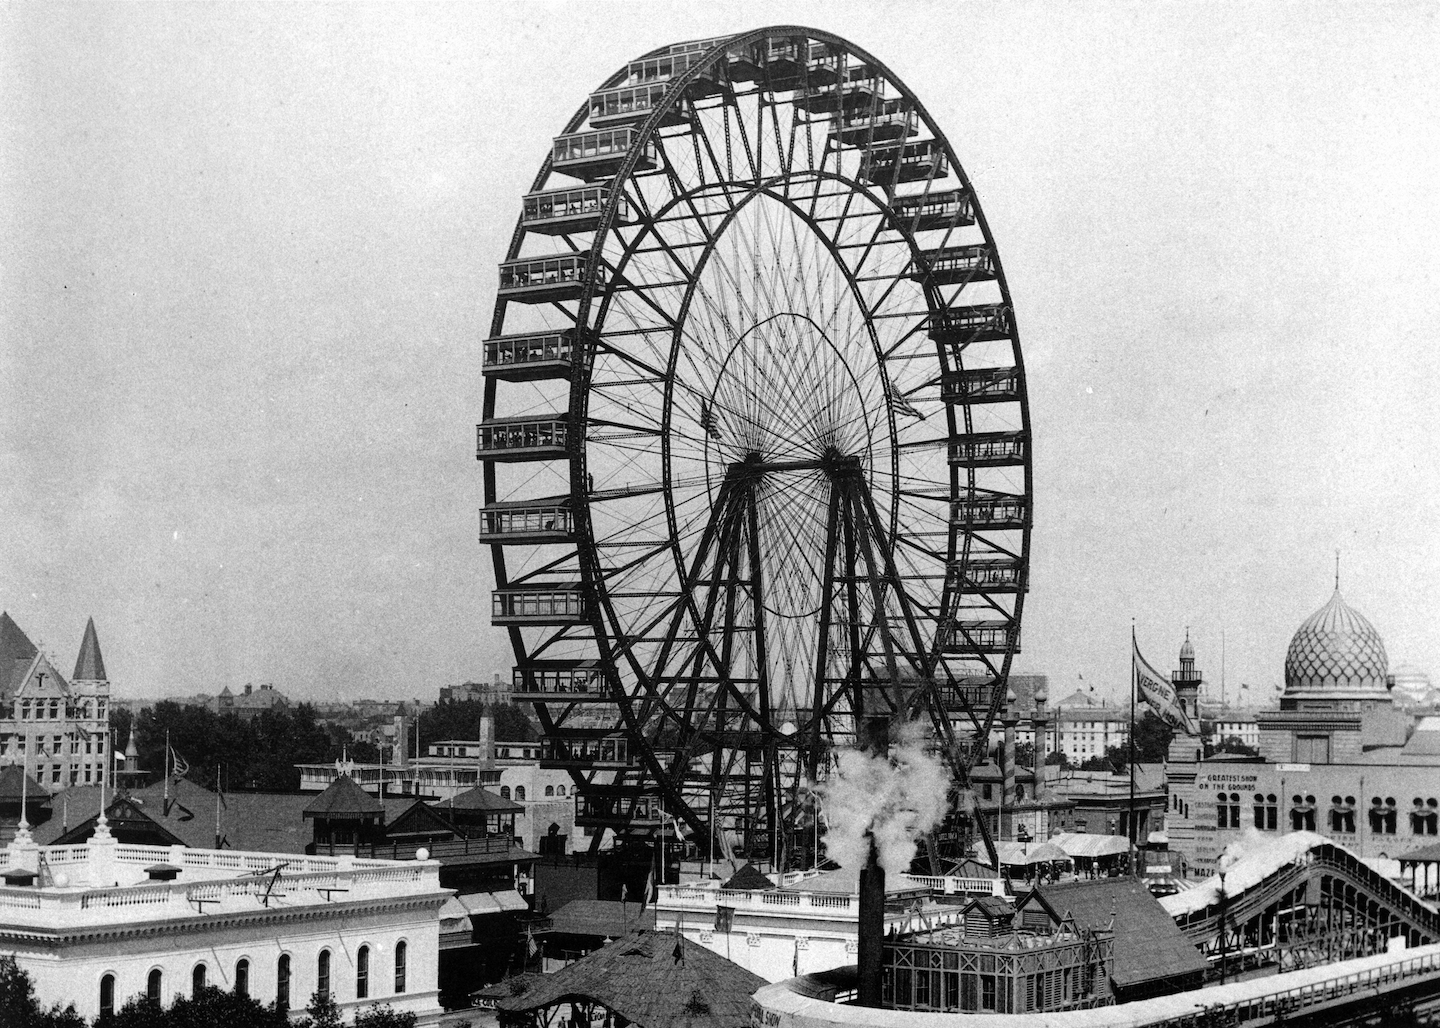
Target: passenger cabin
990,511
540,603
546,279
779,62
855,91
600,806
528,358
988,449
631,105
511,440
987,575
890,119
597,155
904,162
981,385
575,681
960,326
563,211
979,636
610,751
527,521
922,212
673,65
955,265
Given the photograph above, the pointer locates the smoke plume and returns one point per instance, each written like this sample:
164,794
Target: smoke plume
894,799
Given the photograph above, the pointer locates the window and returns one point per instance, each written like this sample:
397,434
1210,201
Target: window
1312,749
107,996
1302,813
322,975
152,987
362,972
400,966
242,977
197,980
1342,814
549,790
282,982
1383,817
519,792
1424,819
1267,812
1227,810
560,790
504,792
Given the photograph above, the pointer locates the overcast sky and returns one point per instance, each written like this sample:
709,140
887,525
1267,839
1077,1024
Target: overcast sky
247,256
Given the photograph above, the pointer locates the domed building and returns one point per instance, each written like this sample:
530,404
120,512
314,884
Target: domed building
1338,755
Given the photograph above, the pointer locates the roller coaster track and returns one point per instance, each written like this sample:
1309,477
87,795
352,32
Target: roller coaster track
1321,905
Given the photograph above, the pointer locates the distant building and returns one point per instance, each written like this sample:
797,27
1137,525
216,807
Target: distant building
57,731
1226,722
251,702
1338,757
100,923
497,691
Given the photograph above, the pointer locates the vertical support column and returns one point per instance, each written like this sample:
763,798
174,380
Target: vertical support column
1041,722
1007,769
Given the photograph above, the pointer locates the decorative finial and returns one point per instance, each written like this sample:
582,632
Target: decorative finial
1337,571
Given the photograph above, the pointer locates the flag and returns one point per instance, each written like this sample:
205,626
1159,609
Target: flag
902,405
795,963
530,946
179,766
649,888
678,953
708,421
724,918
624,892
1159,694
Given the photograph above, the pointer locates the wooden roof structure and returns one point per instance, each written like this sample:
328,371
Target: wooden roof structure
654,980
345,800
1149,947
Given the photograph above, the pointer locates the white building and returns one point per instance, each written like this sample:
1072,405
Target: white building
809,925
99,923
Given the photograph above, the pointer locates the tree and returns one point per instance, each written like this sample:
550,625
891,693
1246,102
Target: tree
1152,739
1055,757
460,719
1025,754
1234,744
384,1016
210,1008
21,1008
322,1011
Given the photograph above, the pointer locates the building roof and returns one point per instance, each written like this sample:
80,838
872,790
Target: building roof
1336,653
1082,844
653,980
89,665
481,799
845,881
16,653
343,798
1148,945
749,879
604,918
13,780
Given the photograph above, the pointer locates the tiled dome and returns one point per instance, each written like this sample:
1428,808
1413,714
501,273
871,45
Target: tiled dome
1336,651
1187,652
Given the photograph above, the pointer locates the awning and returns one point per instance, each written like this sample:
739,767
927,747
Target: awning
1081,844
1017,854
478,904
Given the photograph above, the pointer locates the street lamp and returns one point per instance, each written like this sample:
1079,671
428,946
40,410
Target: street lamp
1227,861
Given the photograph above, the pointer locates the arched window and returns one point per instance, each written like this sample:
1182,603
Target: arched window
549,790
1342,814
400,949
519,792
362,972
1383,817
322,975
504,792
242,977
282,982
560,790
152,987
197,980
107,996
1302,813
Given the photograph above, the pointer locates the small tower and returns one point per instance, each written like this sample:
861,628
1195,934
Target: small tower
1182,760
90,701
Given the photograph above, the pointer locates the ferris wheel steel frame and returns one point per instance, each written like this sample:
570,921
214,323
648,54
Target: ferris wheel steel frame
669,752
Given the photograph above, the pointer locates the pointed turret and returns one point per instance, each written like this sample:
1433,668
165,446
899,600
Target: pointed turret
89,666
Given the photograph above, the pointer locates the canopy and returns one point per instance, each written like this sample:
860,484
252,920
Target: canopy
1080,844
1016,854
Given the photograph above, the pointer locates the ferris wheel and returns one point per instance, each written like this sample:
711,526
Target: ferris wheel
756,441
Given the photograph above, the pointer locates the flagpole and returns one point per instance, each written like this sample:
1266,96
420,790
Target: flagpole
1133,679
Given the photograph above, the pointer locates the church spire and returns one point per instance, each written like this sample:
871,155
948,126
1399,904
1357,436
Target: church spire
89,666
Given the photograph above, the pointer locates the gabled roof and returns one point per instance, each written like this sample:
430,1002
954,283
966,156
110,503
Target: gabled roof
640,978
749,879
343,798
481,799
1148,945
16,653
993,907
420,818
89,665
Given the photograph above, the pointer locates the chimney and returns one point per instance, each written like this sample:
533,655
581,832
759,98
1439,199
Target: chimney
487,739
402,740
1007,768
247,688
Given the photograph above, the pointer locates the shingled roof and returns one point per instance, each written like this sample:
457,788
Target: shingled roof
343,798
604,918
481,799
1148,945
640,978
16,653
14,783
